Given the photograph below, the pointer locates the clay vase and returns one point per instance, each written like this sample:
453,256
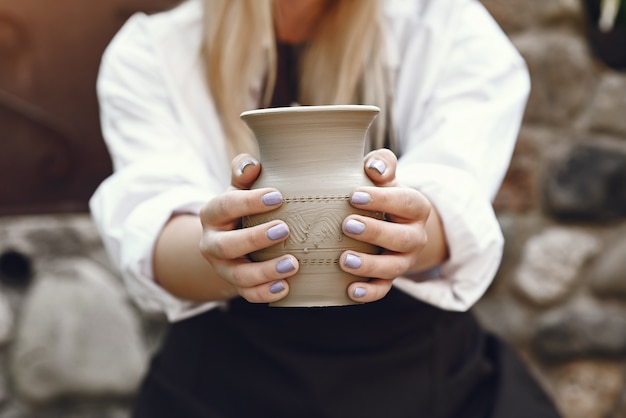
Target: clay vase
314,156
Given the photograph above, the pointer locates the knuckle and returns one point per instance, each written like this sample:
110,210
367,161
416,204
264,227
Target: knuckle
398,268
380,289
422,239
258,237
235,278
406,239
253,295
223,206
204,215
219,247
411,203
205,250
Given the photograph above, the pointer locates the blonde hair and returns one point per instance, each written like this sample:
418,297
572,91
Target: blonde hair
343,64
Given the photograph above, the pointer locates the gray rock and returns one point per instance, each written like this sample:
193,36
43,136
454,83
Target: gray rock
609,104
587,389
516,15
6,319
77,335
504,317
607,274
562,73
551,262
587,184
584,329
15,410
4,389
49,236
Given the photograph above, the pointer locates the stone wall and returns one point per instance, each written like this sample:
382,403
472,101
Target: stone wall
72,344
560,295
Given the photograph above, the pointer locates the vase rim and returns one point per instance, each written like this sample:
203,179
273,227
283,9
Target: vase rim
310,109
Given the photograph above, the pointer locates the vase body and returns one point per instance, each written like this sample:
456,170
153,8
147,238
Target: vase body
314,156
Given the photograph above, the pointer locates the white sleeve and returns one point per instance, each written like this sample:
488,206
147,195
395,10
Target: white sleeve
156,171
460,101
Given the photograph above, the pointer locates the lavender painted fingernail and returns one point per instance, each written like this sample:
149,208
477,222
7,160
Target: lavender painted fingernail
377,165
352,261
272,198
277,232
247,163
360,198
277,287
359,292
285,265
355,227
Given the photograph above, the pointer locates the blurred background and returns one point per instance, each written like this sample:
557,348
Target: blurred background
72,344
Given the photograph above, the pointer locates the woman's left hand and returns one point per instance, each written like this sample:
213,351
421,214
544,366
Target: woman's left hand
402,236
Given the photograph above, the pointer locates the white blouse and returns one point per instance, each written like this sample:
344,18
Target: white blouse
459,92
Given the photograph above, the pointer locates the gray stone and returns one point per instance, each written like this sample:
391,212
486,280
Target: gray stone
619,411
4,389
16,410
607,274
561,70
49,235
551,262
77,335
503,317
587,389
609,104
6,319
517,15
587,183
583,329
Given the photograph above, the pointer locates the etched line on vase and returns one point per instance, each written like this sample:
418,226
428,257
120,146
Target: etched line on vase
318,261
323,198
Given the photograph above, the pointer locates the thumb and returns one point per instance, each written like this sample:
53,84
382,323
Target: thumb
244,171
380,166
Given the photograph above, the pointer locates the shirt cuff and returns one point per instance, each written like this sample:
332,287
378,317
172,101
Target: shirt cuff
143,226
474,237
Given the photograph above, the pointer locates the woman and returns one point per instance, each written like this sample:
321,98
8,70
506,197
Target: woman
452,90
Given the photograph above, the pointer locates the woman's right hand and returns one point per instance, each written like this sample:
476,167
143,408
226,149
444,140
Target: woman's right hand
225,245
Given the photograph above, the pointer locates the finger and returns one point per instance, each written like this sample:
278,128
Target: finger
263,281
223,210
396,237
381,266
266,293
400,204
236,243
380,166
370,291
244,171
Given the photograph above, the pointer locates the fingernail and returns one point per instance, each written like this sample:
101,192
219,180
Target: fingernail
277,232
272,198
355,227
377,165
359,292
277,287
352,261
246,164
360,198
285,265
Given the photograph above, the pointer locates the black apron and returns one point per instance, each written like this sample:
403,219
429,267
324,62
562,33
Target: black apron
397,357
